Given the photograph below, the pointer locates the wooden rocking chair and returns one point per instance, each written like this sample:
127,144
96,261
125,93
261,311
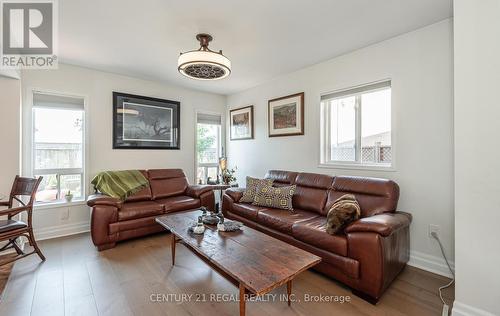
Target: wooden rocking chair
10,229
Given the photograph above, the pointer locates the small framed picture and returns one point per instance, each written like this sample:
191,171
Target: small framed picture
241,123
141,122
286,115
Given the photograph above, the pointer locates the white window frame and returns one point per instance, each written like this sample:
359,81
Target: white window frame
325,131
219,147
28,140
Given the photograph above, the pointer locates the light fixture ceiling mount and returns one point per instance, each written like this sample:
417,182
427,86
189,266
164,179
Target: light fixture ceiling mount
203,63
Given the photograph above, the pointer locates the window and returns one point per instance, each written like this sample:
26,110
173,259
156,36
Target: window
356,126
208,146
58,146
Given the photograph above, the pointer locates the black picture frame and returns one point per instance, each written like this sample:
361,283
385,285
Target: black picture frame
163,133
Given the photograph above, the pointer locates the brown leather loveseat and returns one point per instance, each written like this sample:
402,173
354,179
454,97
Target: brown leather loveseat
113,220
371,252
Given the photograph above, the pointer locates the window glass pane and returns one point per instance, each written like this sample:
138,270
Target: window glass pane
47,190
206,172
201,175
376,127
58,138
212,173
73,183
208,143
343,129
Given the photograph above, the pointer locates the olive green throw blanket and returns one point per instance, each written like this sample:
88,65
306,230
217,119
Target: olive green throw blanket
120,184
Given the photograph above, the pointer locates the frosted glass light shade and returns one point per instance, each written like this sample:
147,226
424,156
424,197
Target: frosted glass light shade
204,65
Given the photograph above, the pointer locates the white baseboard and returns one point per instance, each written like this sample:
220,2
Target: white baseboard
461,309
430,263
61,230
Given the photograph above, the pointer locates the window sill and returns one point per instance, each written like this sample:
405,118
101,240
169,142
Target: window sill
59,204
353,166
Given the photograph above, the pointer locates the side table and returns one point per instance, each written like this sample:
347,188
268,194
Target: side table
221,188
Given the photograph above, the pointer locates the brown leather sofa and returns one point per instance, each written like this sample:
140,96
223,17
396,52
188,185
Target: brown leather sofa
371,252
113,220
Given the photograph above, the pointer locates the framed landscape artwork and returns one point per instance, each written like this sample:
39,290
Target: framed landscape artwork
286,115
241,123
145,123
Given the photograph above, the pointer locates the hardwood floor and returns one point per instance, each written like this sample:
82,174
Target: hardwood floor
136,278
5,270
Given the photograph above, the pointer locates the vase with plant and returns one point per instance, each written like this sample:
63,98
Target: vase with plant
228,175
69,196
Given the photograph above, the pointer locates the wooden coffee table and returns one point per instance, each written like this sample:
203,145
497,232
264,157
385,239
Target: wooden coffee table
255,262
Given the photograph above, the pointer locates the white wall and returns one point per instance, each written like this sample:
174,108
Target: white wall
420,66
10,116
477,157
10,73
97,87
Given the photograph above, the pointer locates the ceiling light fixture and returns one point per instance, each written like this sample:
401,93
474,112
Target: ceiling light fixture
203,63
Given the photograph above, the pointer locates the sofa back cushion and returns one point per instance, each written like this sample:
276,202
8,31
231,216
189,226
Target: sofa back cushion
167,182
281,178
374,195
142,195
312,191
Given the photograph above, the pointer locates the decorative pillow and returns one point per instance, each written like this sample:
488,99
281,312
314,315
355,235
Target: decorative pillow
275,197
343,211
252,184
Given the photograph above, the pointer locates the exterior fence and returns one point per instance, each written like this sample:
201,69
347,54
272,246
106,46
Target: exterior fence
374,154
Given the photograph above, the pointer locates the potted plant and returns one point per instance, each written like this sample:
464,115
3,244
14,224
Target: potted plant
69,196
228,175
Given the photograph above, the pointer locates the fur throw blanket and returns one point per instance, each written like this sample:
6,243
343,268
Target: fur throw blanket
343,211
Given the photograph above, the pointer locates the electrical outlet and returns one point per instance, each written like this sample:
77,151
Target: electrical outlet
65,214
433,228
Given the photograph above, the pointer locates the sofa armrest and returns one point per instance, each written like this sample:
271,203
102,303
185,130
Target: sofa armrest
195,191
383,224
101,199
235,193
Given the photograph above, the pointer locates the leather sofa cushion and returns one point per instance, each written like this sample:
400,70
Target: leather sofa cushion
281,178
178,203
167,182
312,191
314,232
10,224
247,210
375,196
310,199
314,180
133,210
142,195
283,220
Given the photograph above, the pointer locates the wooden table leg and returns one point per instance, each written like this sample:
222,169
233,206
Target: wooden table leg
173,248
242,300
289,291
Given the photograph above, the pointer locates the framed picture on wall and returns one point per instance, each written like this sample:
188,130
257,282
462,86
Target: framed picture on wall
286,115
141,122
241,123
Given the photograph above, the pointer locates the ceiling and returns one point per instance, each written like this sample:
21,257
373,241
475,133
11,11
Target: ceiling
263,38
